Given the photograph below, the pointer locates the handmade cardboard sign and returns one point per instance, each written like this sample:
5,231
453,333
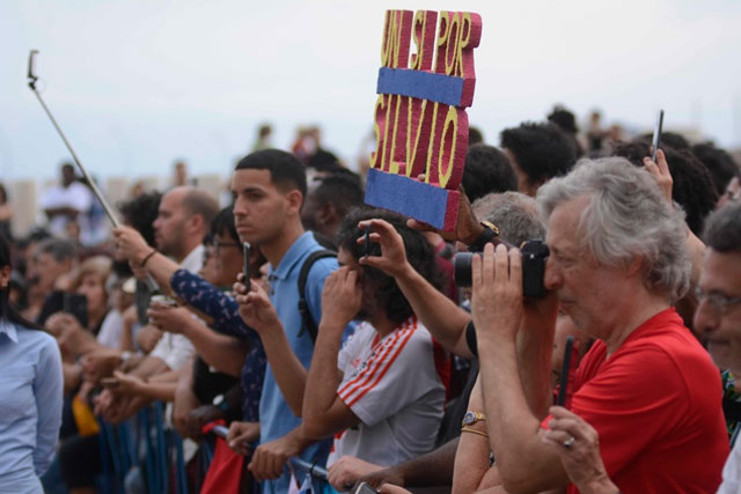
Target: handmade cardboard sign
421,126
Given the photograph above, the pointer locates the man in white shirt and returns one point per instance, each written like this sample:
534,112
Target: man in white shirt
184,218
65,202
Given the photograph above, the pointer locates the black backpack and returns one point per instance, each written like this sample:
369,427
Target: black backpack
307,322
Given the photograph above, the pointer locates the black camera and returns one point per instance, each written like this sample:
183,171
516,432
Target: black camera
534,256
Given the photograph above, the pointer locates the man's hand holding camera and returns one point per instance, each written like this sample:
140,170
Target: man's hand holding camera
497,292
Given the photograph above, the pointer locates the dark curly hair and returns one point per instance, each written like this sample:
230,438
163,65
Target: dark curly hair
565,120
141,212
475,136
344,190
542,150
223,222
720,164
668,139
487,170
693,185
419,252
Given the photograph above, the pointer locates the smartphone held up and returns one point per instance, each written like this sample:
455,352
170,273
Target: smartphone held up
656,141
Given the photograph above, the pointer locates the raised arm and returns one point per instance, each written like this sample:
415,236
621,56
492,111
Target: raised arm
132,245
660,171
324,413
440,315
524,464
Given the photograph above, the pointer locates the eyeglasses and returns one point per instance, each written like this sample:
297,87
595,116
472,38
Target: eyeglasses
218,245
719,303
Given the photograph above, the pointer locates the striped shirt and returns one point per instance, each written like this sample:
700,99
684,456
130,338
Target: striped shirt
393,385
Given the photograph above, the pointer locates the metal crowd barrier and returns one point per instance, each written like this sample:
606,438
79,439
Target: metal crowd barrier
162,449
146,442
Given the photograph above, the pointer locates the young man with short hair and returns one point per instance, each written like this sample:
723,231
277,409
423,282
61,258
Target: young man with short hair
269,188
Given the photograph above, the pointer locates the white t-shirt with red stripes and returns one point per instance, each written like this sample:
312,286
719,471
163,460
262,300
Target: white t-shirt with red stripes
394,387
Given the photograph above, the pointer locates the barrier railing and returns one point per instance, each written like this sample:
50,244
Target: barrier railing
146,442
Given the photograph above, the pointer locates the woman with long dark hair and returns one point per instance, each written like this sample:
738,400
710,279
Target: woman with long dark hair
30,394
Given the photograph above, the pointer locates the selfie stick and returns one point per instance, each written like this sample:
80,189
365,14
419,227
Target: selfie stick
32,78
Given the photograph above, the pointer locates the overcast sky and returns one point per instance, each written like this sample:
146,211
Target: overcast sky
136,84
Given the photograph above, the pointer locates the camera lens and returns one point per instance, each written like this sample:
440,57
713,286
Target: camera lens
462,268
534,256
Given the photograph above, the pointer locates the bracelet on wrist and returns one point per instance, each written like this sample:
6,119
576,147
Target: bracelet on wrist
474,431
147,258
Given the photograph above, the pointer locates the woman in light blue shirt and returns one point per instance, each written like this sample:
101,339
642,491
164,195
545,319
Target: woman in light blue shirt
30,395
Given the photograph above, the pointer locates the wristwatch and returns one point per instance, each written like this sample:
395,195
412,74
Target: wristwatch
221,403
491,231
471,418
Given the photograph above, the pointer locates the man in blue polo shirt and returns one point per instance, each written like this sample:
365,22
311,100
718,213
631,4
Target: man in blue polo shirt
269,188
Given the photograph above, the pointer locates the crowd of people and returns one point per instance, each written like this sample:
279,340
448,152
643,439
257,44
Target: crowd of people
316,328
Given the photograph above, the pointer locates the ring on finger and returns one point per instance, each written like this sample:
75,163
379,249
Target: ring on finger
569,442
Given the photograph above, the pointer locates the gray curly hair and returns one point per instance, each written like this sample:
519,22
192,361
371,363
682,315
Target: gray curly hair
626,217
514,213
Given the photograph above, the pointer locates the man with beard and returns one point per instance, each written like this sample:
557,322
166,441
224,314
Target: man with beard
185,214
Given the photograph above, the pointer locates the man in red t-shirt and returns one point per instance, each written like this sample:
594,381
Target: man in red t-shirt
617,263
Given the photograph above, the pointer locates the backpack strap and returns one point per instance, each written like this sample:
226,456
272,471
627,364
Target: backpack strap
307,322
